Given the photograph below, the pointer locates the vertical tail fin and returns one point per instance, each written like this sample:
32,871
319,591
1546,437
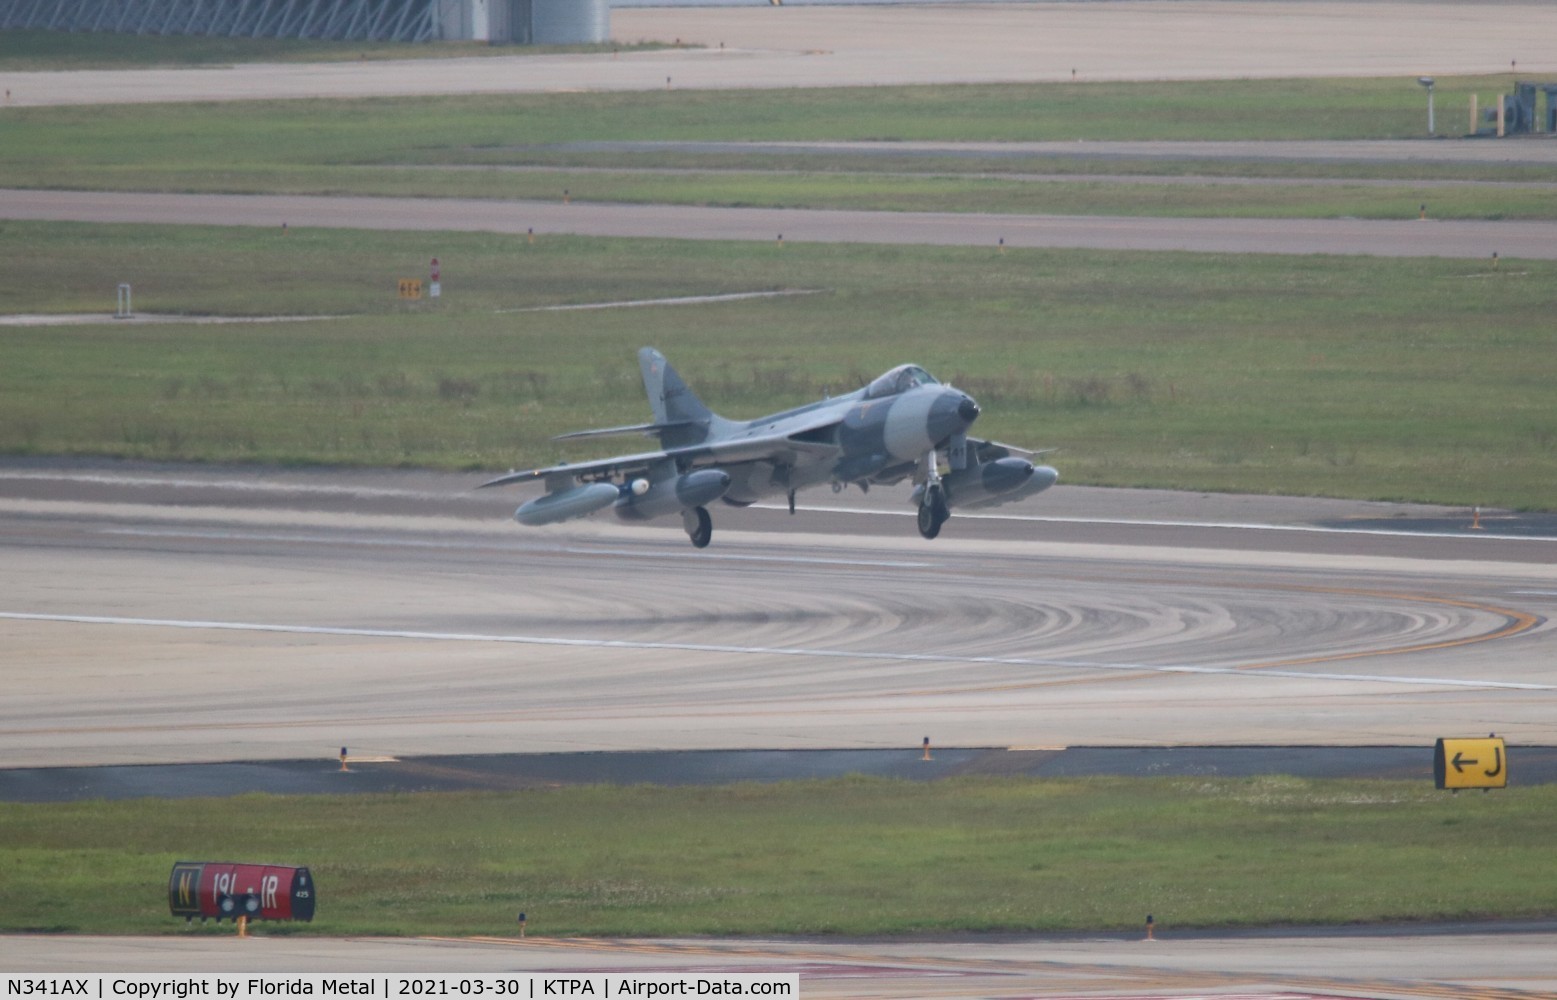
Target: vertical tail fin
673,402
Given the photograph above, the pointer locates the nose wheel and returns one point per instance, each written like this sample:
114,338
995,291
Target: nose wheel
699,526
932,512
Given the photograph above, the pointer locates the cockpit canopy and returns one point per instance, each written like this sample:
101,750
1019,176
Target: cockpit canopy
900,379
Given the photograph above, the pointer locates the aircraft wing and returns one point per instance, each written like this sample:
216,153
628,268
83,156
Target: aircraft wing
563,475
989,451
783,449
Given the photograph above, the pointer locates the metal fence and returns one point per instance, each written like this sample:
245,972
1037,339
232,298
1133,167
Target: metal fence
351,20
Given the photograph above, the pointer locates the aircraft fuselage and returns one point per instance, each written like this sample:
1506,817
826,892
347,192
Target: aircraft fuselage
868,437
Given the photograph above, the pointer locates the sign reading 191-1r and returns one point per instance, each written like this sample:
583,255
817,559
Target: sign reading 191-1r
1481,763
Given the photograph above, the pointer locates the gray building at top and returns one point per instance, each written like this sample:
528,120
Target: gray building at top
537,22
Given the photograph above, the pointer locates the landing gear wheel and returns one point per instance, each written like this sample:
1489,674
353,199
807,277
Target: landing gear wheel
932,514
700,527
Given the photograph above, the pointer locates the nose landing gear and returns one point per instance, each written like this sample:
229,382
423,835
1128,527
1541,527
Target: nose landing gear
932,511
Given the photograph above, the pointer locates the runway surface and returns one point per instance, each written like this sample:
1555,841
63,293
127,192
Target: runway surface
1412,238
766,47
1489,962
170,614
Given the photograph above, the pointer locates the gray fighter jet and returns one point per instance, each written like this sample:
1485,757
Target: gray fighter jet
903,426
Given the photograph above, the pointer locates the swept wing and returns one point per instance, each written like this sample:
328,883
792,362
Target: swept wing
784,449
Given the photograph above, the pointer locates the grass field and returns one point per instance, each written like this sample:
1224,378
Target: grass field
1347,377
1411,379
403,146
851,856
970,191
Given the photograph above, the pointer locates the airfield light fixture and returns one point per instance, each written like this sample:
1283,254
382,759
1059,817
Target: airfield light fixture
1427,82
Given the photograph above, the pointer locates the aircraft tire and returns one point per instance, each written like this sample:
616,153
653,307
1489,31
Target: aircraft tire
929,523
703,533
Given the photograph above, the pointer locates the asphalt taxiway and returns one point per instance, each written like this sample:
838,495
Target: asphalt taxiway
515,772
1473,239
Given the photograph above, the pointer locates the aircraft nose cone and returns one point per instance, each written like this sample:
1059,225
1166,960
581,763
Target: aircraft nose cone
950,412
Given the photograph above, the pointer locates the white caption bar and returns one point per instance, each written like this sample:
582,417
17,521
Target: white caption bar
502,986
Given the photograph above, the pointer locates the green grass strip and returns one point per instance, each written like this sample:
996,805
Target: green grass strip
850,856
1417,379
309,146
942,191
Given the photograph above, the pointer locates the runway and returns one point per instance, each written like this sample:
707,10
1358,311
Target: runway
167,614
1467,962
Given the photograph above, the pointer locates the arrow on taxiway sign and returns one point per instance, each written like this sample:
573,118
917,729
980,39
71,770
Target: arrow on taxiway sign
1459,762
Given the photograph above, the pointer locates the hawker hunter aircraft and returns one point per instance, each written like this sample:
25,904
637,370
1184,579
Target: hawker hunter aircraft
903,426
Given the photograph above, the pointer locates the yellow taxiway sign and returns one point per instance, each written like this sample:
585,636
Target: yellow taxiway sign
1481,763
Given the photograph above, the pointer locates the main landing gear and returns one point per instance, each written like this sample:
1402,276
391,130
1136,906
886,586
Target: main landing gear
699,526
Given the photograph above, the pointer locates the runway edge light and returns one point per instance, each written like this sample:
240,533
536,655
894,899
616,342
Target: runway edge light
1470,763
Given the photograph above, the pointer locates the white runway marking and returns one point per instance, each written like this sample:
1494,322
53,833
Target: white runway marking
691,647
141,319
683,300
488,546
1217,525
264,486
245,485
